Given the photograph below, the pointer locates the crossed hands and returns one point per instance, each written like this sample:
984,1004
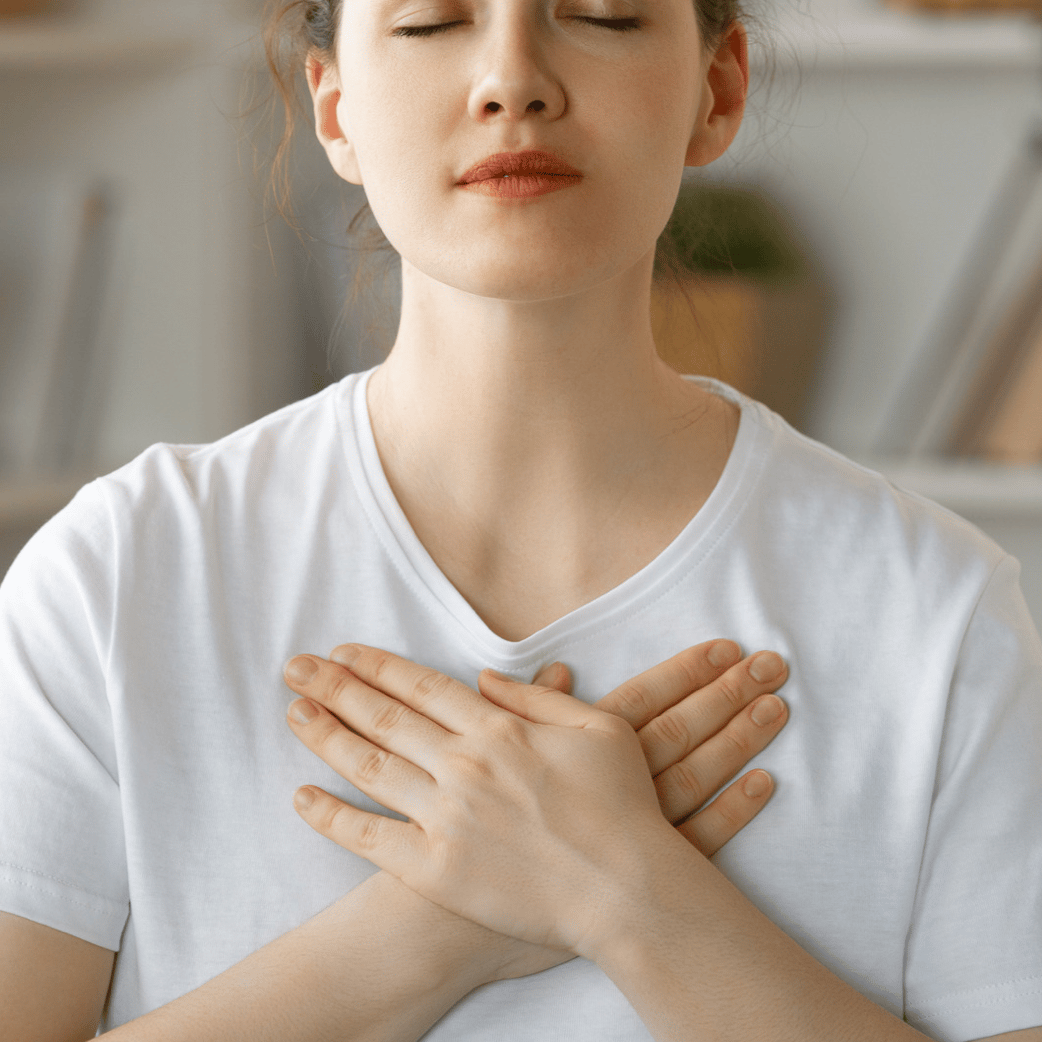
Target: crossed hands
530,812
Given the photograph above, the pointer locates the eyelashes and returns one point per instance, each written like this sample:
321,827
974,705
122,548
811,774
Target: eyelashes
423,30
612,24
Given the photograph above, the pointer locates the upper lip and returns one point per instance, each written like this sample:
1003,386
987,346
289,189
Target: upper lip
518,163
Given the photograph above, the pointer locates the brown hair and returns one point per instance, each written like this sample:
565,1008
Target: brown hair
296,29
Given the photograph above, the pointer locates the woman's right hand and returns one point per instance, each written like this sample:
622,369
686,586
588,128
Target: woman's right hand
695,722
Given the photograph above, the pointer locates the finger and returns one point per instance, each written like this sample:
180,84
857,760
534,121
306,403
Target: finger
652,692
390,780
686,785
384,721
555,675
685,726
542,705
438,697
388,843
729,813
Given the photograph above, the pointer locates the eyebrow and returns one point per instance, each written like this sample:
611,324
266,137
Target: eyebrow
387,6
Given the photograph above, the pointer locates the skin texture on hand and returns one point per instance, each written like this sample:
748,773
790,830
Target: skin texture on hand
697,742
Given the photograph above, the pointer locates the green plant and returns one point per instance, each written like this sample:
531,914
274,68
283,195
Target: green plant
721,229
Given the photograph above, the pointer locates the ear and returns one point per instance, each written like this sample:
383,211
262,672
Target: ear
324,84
722,104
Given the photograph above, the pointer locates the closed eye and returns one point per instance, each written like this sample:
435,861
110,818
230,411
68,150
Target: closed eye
619,25
423,30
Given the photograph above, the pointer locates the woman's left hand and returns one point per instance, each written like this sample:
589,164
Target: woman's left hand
531,817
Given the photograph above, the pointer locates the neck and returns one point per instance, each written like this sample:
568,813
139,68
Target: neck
516,430
503,396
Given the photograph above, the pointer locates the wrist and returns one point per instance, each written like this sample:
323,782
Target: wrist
650,898
451,953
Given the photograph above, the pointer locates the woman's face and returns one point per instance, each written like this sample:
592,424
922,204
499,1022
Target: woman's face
628,105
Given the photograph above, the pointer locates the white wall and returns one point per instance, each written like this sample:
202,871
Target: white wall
889,165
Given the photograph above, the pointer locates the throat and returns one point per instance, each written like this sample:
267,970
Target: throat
527,544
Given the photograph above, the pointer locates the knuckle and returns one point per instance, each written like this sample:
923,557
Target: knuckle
338,691
670,728
736,744
508,728
690,666
730,689
325,737
431,683
329,815
371,764
633,699
730,814
376,662
686,782
369,833
472,770
617,727
388,717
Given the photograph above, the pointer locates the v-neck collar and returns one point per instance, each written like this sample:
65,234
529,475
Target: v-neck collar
692,545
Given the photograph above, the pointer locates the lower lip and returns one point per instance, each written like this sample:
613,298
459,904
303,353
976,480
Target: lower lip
522,186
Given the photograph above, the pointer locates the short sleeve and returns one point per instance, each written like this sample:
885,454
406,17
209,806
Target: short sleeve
974,953
62,851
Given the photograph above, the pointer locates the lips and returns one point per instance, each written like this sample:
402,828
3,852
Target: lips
507,163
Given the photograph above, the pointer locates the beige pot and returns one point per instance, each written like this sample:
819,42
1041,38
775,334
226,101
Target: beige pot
762,337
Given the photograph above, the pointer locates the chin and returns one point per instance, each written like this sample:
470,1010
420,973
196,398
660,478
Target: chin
531,279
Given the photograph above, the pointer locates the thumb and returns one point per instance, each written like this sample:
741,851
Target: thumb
555,675
541,705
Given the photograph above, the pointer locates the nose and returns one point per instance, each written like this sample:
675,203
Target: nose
514,76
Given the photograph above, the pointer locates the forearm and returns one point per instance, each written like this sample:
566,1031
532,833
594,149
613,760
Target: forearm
700,961
379,965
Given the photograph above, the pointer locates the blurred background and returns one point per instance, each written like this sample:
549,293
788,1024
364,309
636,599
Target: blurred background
867,258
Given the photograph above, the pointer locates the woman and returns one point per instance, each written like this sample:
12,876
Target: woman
523,480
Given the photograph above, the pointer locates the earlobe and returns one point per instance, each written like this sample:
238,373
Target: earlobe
324,84
722,103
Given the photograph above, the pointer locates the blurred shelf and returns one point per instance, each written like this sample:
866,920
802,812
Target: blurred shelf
59,45
969,487
31,501
895,40
887,39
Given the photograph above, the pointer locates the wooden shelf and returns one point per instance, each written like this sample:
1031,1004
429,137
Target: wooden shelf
65,45
969,487
895,40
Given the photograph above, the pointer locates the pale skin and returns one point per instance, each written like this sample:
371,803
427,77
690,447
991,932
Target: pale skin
383,964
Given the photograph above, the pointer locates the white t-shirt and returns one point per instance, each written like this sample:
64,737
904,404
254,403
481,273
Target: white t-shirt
147,770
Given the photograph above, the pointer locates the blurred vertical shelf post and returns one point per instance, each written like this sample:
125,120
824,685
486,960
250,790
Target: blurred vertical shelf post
176,325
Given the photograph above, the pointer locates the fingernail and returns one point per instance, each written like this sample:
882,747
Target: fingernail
723,653
767,710
756,784
765,666
300,670
346,655
303,711
303,798
501,676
